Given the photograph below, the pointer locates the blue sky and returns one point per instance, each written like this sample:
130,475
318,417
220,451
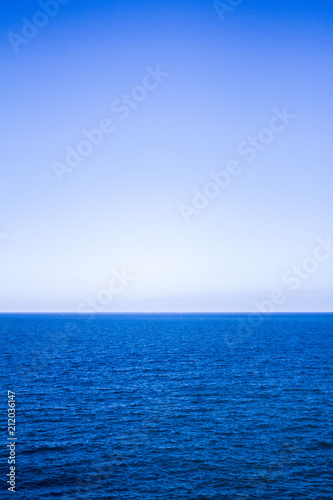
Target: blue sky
223,80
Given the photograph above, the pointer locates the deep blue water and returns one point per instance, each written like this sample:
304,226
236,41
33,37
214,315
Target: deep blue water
169,406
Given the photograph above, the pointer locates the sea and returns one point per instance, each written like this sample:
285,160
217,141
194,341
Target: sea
167,406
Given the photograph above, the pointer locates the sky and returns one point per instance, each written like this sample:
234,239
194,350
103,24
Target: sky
166,156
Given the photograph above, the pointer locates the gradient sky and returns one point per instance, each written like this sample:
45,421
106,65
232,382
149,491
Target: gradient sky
120,207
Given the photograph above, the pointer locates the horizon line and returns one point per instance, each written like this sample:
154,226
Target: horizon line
164,312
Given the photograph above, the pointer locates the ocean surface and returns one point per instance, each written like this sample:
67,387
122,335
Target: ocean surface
169,407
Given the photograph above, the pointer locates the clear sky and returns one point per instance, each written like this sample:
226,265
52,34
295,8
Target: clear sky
182,91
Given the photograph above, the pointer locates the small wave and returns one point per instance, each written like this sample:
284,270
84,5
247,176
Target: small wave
324,445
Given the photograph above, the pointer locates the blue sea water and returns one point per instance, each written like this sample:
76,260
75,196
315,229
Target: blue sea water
169,407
